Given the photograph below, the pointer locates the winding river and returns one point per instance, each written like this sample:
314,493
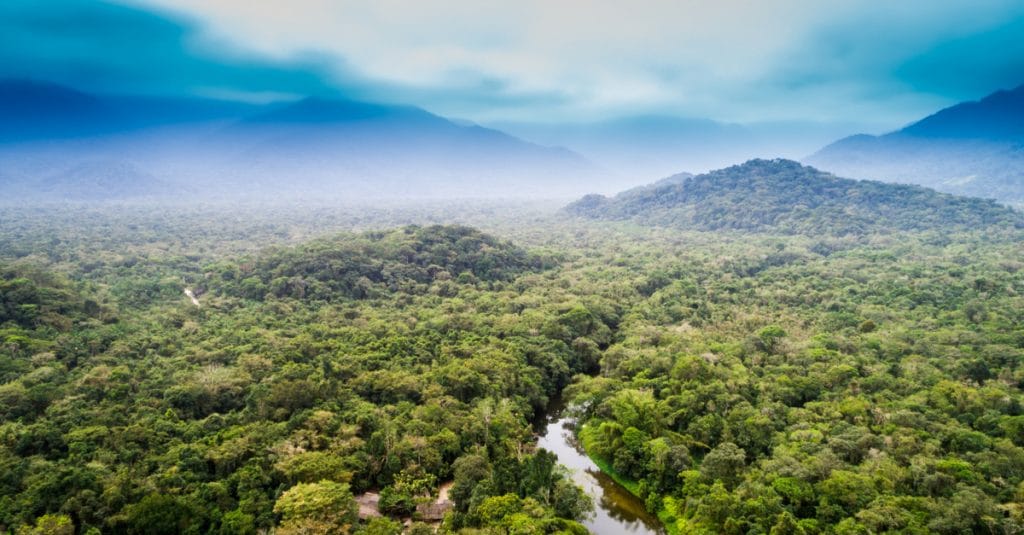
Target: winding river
615,509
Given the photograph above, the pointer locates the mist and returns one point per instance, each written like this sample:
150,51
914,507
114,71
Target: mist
462,268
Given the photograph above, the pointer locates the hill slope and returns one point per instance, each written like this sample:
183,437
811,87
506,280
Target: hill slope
376,263
32,110
784,196
973,148
373,149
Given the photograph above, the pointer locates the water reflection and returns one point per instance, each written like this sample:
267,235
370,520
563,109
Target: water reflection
616,510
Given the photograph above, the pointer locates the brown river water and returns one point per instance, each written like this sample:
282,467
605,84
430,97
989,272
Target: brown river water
615,509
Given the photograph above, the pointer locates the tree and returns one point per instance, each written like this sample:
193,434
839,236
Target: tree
237,523
716,508
850,490
324,508
162,514
494,509
724,463
769,338
381,526
49,525
470,470
786,525
570,501
312,466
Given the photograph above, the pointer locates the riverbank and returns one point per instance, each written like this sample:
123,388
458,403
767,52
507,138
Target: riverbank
586,440
616,509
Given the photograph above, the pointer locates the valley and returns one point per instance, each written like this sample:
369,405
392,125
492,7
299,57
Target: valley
734,379
511,268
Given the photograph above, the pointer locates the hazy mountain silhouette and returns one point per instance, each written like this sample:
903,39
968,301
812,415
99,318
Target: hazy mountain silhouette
325,148
648,146
997,117
31,110
972,148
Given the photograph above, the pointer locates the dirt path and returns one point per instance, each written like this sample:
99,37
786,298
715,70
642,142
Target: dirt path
368,505
192,296
442,492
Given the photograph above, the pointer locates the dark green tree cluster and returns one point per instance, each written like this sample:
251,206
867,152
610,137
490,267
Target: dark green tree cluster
769,382
267,409
526,495
782,196
875,390
375,264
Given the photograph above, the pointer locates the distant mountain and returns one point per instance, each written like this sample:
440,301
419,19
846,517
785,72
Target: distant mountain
657,145
348,125
999,116
34,110
315,110
314,148
787,197
105,180
30,109
972,148
367,149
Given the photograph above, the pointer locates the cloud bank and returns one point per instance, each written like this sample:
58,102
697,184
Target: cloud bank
531,60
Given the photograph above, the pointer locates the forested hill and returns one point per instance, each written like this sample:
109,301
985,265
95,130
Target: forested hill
407,260
736,382
785,196
389,361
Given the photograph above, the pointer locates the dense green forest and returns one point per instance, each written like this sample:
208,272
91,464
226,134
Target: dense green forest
779,381
783,196
389,360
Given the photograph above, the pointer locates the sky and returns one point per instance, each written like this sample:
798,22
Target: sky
743,61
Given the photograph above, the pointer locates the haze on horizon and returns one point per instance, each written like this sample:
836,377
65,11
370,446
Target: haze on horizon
460,267
643,90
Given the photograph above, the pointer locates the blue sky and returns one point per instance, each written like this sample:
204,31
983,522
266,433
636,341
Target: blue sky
872,63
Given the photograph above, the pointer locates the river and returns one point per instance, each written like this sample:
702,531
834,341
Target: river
615,509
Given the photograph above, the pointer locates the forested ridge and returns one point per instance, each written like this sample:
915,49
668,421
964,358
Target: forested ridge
226,418
374,264
786,197
738,382
873,390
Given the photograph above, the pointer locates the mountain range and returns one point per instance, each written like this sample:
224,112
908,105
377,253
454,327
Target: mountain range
60,143
656,145
972,148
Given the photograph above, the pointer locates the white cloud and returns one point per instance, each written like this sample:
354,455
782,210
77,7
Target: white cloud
728,59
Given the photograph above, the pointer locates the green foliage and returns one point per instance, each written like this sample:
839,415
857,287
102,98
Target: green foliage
237,523
785,197
769,337
30,298
569,501
737,383
816,422
411,486
382,526
413,259
723,464
161,514
325,507
50,524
